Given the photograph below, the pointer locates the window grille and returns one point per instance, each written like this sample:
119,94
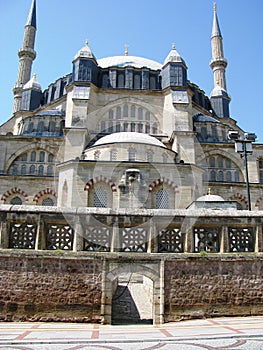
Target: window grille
59,236
22,236
171,241
134,239
48,202
206,239
162,199
100,198
241,239
97,239
16,201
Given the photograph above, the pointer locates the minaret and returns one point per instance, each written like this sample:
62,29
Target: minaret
219,97
26,57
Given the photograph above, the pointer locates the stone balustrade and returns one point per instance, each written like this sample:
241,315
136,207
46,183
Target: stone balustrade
137,231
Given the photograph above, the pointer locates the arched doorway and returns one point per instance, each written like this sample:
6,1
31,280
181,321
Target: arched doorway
132,292
132,300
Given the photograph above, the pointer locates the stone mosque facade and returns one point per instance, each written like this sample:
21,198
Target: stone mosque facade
123,132
123,200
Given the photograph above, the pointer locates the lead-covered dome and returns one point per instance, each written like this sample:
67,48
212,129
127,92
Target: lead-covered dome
129,61
129,137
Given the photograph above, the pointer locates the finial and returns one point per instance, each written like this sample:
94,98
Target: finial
214,6
173,46
126,52
209,191
87,42
35,75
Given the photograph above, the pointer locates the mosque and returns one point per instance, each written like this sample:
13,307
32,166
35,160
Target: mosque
124,132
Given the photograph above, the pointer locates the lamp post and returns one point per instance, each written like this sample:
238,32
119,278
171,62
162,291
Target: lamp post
243,146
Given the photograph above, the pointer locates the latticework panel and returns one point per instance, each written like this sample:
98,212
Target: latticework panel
241,239
97,239
206,239
171,241
134,239
22,236
59,236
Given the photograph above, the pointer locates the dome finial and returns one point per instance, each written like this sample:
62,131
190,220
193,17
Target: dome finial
209,191
87,42
173,46
126,52
214,6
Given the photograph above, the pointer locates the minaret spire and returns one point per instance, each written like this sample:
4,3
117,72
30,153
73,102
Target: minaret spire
218,62
219,97
26,56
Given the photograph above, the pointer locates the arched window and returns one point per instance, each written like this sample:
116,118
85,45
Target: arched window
118,113
32,170
147,128
155,129
220,162
100,197
40,170
162,199
118,127
50,170
125,126
132,127
41,156
228,163
212,162
228,176
237,177
15,170
147,116
140,114
220,176
16,201
140,127
132,154
48,202
125,111
40,126
50,158
24,157
52,126
133,111
212,175
111,114
33,156
23,169
30,127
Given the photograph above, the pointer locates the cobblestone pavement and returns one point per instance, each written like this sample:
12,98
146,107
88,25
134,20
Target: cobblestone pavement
211,334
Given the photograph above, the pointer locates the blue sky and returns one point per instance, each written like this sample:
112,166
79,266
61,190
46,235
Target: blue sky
149,28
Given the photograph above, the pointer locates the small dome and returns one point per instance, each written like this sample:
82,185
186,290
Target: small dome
210,198
85,52
129,137
33,84
128,61
173,57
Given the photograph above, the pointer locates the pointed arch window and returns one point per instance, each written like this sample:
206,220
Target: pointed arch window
41,156
32,170
33,156
41,170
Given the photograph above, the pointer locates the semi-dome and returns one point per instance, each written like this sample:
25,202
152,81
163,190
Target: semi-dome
210,198
129,61
129,137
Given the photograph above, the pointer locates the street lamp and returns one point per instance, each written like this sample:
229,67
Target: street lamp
243,146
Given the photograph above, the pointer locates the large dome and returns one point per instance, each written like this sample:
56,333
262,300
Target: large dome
128,61
129,137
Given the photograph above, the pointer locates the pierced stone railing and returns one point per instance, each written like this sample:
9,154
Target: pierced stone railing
138,231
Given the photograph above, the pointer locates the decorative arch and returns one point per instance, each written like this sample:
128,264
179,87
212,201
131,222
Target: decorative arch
42,193
98,179
239,198
14,190
162,181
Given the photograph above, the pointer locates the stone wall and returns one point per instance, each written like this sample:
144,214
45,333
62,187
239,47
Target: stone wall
211,287
49,287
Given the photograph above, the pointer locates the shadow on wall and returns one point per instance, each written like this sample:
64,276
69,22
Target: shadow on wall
124,309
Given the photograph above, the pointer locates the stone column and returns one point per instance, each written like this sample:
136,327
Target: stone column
152,238
4,237
116,237
78,235
224,242
259,239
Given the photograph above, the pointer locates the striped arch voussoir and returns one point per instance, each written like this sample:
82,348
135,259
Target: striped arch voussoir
14,190
163,181
42,193
238,197
100,178
259,200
